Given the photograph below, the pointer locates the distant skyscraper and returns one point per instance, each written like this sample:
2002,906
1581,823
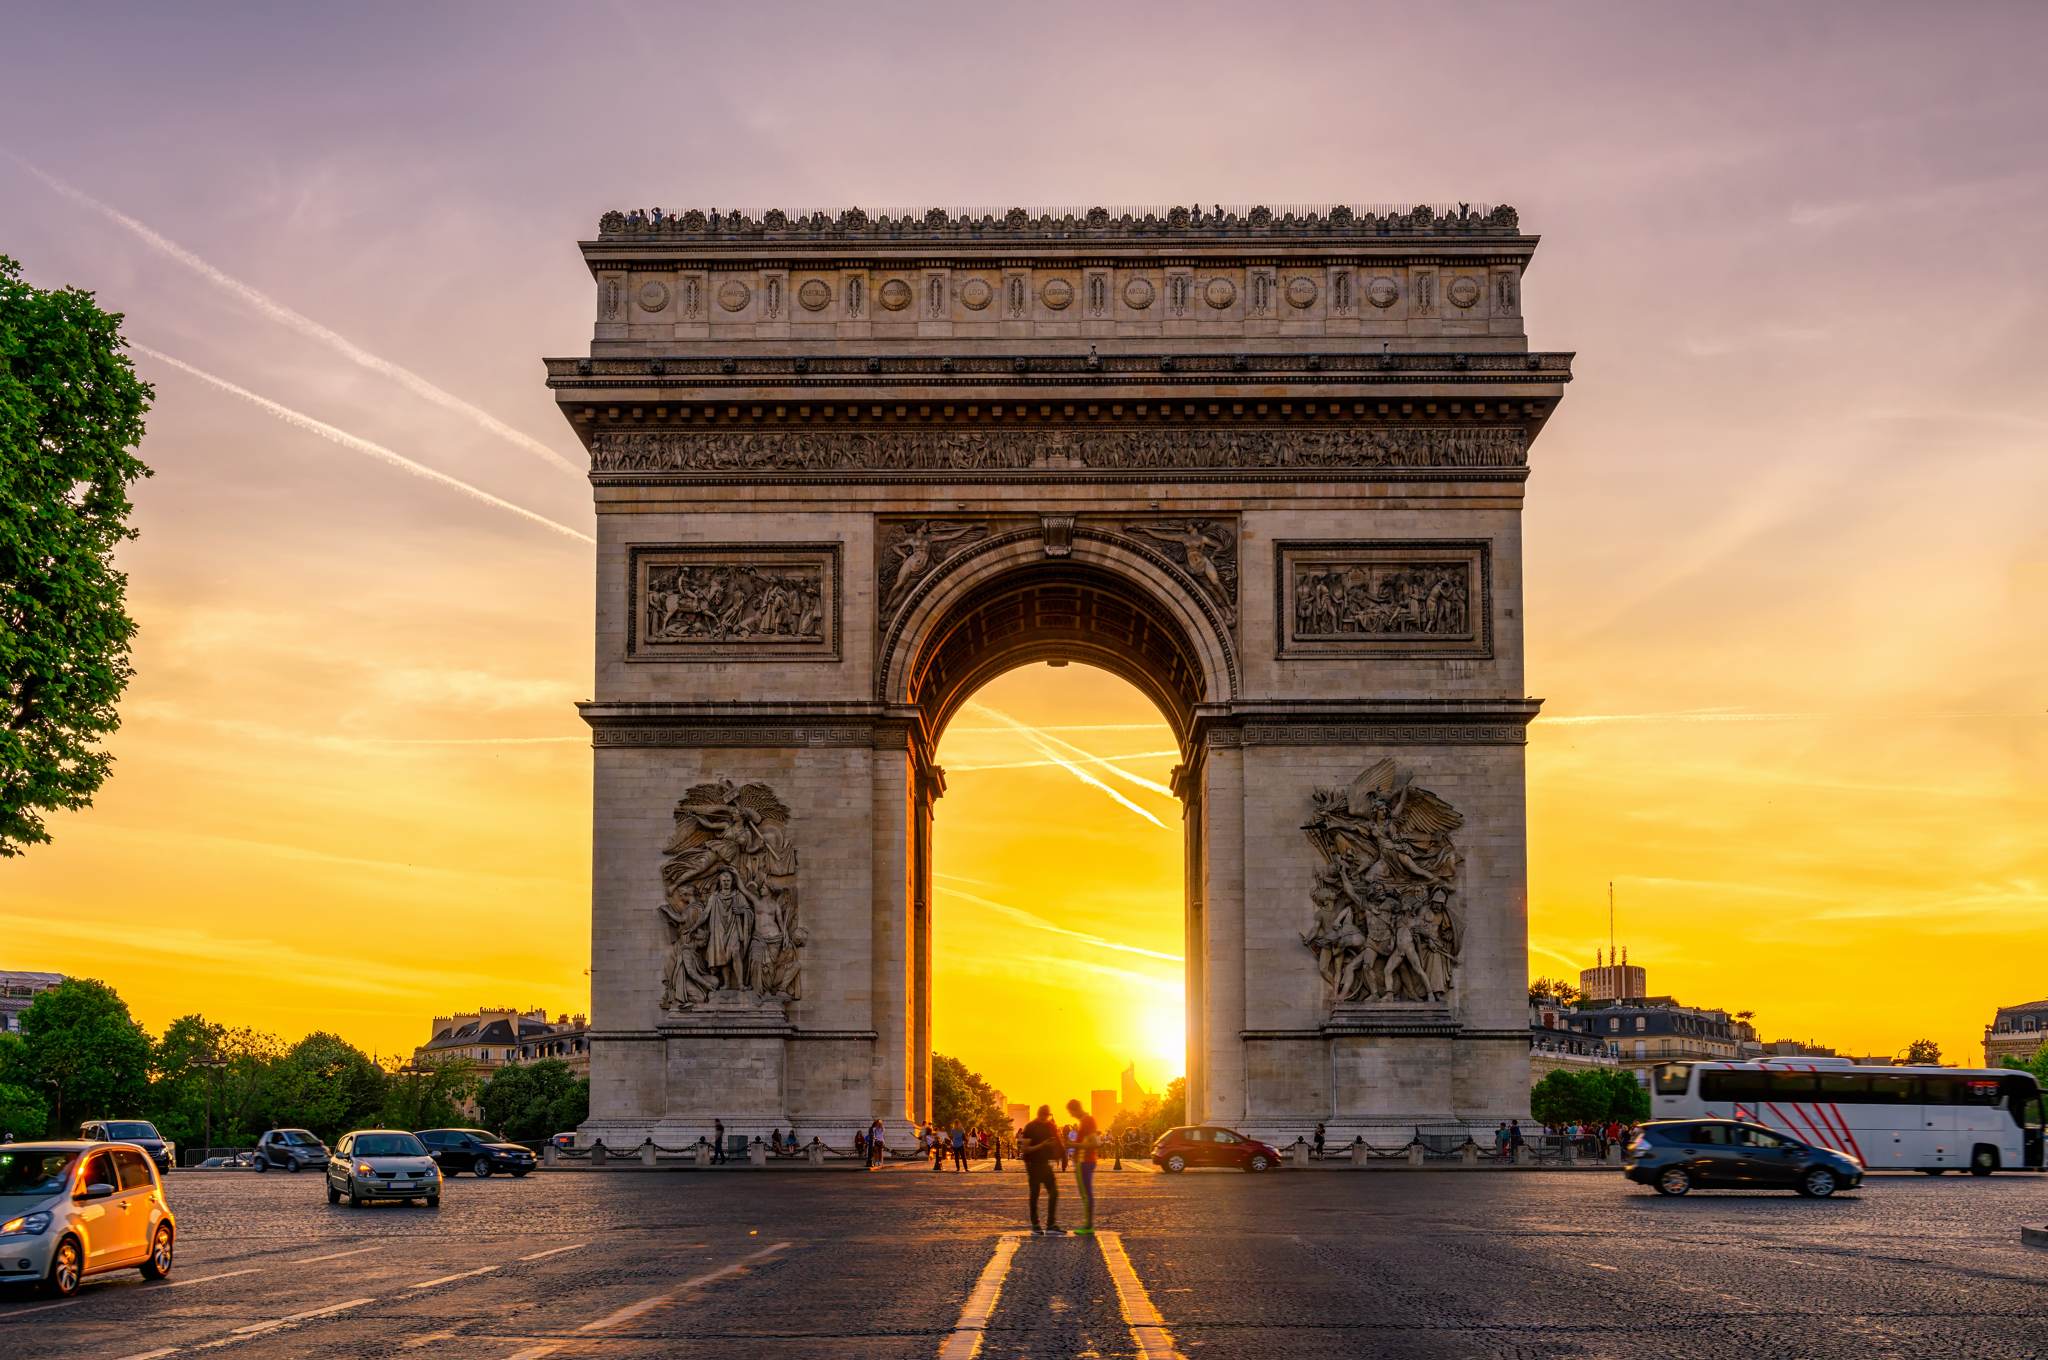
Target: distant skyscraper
1020,1115
1615,979
1134,1095
1102,1104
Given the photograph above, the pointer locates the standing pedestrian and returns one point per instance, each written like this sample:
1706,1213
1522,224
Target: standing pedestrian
1039,1145
959,1147
875,1148
1515,1140
1319,1141
717,1141
1087,1138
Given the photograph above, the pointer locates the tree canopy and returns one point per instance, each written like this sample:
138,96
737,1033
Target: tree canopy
1591,1095
71,410
534,1101
1924,1053
82,1050
964,1097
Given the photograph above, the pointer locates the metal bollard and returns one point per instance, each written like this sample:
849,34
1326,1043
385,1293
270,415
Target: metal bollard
1298,1153
757,1153
815,1153
1361,1155
550,1155
1415,1154
1469,1154
701,1154
597,1153
647,1153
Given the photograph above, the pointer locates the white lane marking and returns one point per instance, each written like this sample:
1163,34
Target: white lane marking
330,1256
40,1308
203,1279
290,1319
964,1342
555,1251
459,1275
633,1310
534,1352
1148,1329
1598,1266
152,1355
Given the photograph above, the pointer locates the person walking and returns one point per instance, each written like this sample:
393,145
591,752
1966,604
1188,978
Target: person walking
717,1142
1515,1140
959,1147
875,1144
1038,1146
1319,1142
1500,1140
1087,1138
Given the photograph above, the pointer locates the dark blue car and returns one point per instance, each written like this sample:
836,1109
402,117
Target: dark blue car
1680,1155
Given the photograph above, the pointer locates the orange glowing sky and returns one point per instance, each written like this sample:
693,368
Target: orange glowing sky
1785,563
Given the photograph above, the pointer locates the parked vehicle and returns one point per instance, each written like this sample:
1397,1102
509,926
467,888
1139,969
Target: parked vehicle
372,1164
1207,1145
477,1151
233,1161
140,1132
73,1209
563,1140
1677,1156
291,1149
1932,1119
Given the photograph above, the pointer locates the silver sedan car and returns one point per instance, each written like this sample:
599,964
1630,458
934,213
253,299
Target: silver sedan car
382,1164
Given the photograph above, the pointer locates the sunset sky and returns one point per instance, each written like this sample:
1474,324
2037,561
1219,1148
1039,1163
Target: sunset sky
1786,563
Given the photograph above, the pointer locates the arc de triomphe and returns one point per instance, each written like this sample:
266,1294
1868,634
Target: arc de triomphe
1267,467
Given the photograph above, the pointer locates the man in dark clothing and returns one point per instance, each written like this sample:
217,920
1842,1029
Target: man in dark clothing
1039,1146
717,1140
959,1139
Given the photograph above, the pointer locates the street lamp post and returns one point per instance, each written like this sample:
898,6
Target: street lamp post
212,1064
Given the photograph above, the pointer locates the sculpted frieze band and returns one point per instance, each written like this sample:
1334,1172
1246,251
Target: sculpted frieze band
969,450
729,890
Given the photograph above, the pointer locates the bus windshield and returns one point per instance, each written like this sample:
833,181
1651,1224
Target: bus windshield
1672,1078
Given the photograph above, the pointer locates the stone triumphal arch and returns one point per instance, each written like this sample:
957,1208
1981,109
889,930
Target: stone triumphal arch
1267,467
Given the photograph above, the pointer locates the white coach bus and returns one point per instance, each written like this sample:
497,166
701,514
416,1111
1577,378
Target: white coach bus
1931,1119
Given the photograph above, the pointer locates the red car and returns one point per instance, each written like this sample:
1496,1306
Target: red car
1207,1145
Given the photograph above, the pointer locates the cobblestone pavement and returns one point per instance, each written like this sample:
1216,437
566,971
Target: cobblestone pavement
899,1264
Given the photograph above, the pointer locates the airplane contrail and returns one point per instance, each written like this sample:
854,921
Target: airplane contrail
1037,922
1039,737
359,444
951,768
1073,768
300,322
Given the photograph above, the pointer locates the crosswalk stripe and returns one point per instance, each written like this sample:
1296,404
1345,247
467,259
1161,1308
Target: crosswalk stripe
964,1341
1148,1329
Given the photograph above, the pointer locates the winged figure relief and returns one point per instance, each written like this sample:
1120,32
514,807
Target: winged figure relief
730,897
1388,918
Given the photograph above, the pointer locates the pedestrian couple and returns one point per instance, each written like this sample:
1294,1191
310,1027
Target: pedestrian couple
1040,1145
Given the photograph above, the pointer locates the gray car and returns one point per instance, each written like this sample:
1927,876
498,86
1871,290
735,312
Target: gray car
69,1210
1675,1156
372,1164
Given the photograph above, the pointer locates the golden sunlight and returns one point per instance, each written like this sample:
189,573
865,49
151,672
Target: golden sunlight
1057,887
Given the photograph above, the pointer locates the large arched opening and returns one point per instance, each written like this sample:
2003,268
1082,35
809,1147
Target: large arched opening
1009,605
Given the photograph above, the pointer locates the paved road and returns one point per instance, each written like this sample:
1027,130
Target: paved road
909,1263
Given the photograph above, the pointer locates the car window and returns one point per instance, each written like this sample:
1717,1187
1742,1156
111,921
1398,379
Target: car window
34,1172
1222,1137
388,1145
1712,1135
134,1169
100,1171
346,1145
1758,1138
1195,1135
131,1128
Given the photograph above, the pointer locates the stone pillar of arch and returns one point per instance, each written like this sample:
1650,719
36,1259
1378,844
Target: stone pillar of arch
1269,469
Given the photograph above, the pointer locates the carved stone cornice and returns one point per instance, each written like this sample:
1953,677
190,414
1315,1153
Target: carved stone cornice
1393,723
1150,450
1248,367
1354,222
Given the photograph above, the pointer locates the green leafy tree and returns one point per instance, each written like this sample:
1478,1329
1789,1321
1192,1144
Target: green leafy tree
429,1095
71,410
1554,989
326,1084
962,1096
183,1079
1923,1053
2037,1064
22,1112
1588,1096
84,1053
534,1100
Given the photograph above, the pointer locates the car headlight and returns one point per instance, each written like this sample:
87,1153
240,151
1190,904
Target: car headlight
365,1169
27,1225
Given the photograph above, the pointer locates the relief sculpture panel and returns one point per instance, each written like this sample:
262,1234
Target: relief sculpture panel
1384,599
723,602
1389,924
729,902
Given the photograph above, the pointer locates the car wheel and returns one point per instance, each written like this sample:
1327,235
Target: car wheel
67,1268
1257,1163
355,1201
480,1168
1673,1180
292,1166
1983,1161
433,1201
333,1195
1818,1183
161,1250
261,1163
1176,1163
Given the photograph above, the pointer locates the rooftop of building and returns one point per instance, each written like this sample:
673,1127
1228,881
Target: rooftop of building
1329,221
2037,1009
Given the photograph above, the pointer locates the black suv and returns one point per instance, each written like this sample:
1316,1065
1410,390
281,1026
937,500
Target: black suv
1677,1155
477,1151
140,1132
